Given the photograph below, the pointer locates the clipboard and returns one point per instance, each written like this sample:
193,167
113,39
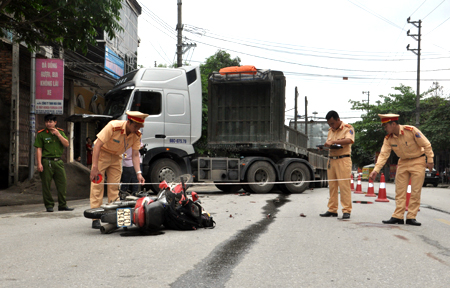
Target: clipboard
334,146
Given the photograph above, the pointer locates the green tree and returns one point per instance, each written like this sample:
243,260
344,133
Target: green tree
71,24
213,64
370,134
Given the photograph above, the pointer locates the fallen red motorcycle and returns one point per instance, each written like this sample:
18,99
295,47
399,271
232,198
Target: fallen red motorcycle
172,208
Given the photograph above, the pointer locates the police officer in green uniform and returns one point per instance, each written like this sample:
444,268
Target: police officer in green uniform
50,143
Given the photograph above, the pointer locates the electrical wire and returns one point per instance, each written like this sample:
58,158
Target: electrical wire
377,15
417,8
438,25
433,9
307,65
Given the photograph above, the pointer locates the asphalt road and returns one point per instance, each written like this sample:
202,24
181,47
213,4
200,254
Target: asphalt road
248,247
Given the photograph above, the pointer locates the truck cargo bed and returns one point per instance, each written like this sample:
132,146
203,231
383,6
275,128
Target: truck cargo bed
246,112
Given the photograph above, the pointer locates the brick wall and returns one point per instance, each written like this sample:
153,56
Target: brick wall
5,106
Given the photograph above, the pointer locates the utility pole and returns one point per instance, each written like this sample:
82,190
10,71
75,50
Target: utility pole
306,116
417,24
32,154
179,37
296,113
368,98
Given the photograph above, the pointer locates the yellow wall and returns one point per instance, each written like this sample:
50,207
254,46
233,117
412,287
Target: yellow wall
87,97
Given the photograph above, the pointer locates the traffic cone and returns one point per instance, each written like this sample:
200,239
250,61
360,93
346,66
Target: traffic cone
408,196
370,192
358,186
351,184
382,190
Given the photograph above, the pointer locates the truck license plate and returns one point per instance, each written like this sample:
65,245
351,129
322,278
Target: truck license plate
428,174
123,217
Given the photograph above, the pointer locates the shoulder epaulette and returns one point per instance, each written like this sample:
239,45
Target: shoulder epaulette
138,133
41,130
387,136
409,128
117,128
348,125
59,129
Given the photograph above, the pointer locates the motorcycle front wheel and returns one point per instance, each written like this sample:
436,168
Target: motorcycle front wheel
97,213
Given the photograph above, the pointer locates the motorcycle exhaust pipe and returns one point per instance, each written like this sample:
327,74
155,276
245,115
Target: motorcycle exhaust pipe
108,228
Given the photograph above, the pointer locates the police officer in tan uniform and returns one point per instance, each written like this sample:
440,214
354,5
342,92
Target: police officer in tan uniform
339,165
114,139
411,146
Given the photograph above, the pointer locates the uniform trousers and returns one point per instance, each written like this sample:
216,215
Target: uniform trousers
413,169
340,169
53,170
111,165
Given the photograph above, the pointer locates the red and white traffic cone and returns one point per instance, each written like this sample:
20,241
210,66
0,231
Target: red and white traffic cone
408,195
370,190
351,184
382,190
358,186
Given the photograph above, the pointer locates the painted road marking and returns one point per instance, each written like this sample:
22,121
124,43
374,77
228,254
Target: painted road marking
444,221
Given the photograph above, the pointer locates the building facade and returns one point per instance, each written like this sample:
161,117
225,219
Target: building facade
87,78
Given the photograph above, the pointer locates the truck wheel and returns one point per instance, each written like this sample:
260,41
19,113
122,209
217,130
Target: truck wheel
260,172
229,188
435,184
297,172
246,188
163,169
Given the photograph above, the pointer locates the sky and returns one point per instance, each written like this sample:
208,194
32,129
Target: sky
314,43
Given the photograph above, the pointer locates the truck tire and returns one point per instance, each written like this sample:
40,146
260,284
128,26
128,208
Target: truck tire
229,188
163,169
297,172
261,172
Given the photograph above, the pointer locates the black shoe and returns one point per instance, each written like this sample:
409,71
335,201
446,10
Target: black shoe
49,209
346,216
65,209
394,221
96,224
413,222
328,214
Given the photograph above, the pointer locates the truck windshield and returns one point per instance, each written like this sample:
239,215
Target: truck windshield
116,102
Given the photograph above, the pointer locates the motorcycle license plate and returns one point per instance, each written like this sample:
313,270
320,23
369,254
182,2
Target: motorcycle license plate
123,217
428,174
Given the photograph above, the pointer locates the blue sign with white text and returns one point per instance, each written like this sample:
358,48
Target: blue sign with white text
114,65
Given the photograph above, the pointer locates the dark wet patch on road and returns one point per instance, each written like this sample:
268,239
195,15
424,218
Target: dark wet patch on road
401,237
369,224
436,258
217,268
54,215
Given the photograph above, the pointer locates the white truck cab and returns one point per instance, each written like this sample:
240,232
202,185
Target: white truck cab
173,99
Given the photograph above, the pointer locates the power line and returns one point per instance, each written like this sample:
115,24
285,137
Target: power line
417,8
438,25
294,48
306,65
377,15
433,9
313,55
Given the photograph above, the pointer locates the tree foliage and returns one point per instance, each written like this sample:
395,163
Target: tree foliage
69,23
435,121
214,63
